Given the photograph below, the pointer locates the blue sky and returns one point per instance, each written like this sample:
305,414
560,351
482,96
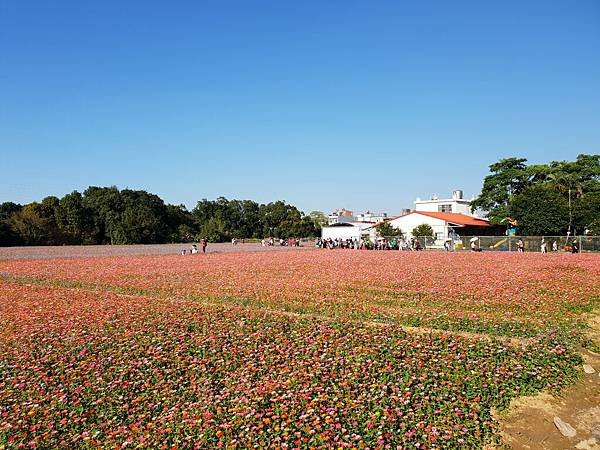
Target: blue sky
322,104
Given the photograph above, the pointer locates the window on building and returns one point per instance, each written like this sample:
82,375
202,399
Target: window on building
445,208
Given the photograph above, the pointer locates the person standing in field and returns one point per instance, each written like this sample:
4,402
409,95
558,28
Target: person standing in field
520,246
574,247
555,246
543,246
203,243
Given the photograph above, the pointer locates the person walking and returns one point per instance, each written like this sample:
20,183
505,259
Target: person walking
203,243
543,246
520,246
574,247
555,246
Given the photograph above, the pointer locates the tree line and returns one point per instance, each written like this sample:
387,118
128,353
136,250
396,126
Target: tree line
543,199
107,215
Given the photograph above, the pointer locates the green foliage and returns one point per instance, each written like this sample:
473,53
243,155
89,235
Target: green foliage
74,219
8,236
31,224
586,213
423,230
319,219
106,215
386,229
222,219
512,184
509,177
540,211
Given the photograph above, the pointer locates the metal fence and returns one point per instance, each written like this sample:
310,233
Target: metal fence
530,243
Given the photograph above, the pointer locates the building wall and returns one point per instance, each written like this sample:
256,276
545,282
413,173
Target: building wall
341,232
458,206
409,222
333,219
370,217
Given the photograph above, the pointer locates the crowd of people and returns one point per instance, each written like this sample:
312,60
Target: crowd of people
379,244
382,244
194,249
573,247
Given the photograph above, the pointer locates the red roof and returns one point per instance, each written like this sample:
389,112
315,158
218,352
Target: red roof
458,219
454,218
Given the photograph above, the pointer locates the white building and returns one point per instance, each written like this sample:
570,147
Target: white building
340,216
371,217
445,225
457,204
346,230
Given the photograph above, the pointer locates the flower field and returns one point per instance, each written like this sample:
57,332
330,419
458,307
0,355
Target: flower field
283,349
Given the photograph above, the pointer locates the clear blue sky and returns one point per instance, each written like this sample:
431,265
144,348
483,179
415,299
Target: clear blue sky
324,104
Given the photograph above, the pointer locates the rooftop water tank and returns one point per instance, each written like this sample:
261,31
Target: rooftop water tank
457,194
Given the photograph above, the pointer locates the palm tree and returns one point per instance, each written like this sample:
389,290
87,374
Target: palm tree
565,183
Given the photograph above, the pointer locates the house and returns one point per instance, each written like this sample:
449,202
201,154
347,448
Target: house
445,225
371,217
340,216
457,204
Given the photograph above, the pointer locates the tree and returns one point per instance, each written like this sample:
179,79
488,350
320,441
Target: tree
586,214
509,177
386,229
74,219
7,235
279,219
423,230
7,209
104,203
143,219
31,225
319,219
107,215
512,179
540,211
180,224
213,230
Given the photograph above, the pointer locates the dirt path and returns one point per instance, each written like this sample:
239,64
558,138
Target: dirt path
529,421
86,251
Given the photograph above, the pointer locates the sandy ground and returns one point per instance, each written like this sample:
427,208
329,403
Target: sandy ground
528,424
86,251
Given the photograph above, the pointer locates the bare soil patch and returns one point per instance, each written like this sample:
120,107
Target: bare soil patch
87,251
529,421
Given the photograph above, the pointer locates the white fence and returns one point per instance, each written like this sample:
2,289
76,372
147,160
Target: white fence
530,243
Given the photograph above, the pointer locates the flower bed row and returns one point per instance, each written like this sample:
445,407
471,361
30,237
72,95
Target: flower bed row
501,294
82,368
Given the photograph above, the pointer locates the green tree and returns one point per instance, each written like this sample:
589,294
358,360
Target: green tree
75,220
31,225
423,230
511,178
386,229
104,203
319,219
508,178
143,219
586,214
7,209
180,224
213,230
8,236
279,219
539,211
